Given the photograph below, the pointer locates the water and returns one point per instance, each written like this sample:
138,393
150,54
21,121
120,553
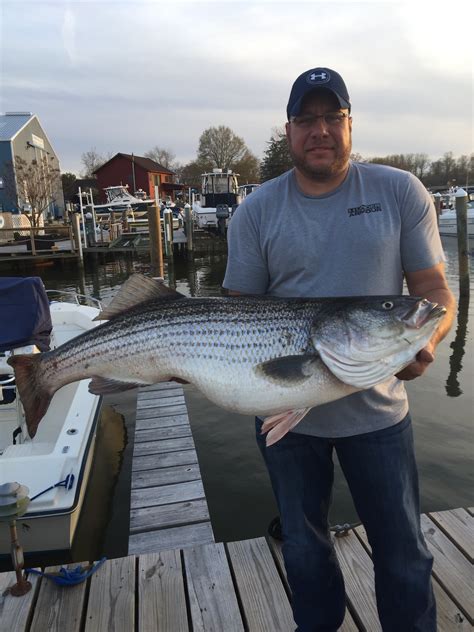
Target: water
237,487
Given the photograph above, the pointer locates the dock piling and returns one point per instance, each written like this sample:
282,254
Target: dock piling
76,231
463,245
188,227
156,248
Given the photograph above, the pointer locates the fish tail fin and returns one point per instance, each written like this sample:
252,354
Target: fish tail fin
279,425
30,384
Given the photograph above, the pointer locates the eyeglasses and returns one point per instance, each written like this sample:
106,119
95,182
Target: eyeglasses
331,119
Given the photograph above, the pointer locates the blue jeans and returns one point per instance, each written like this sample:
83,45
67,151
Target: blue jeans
382,476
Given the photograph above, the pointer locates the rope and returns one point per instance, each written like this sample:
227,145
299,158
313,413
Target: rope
67,483
69,577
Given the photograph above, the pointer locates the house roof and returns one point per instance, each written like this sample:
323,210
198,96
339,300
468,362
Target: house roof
12,122
146,163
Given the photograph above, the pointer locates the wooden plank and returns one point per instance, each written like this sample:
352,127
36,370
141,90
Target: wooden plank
173,538
450,617
161,602
58,608
458,525
264,600
162,394
212,599
357,569
451,568
15,612
160,402
151,518
148,423
160,386
162,495
158,434
276,547
167,445
166,476
159,411
180,457
112,597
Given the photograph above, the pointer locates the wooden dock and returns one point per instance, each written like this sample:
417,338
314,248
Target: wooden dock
238,586
168,505
177,579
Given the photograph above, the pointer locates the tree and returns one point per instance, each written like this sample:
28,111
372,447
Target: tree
36,184
277,158
248,168
220,147
69,186
92,160
164,157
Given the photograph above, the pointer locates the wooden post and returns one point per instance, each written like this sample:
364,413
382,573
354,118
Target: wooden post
75,221
156,248
463,244
189,227
168,231
437,203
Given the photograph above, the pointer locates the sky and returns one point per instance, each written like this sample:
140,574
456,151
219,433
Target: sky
127,76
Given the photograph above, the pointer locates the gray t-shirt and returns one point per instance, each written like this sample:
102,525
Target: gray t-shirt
356,240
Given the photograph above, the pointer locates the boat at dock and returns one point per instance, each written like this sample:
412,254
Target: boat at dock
218,198
120,199
448,220
55,464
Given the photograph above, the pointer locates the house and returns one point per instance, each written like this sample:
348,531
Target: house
137,173
21,135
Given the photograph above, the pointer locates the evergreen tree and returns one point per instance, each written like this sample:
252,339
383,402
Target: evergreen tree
276,158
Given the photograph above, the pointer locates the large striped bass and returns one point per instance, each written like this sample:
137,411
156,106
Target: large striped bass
257,355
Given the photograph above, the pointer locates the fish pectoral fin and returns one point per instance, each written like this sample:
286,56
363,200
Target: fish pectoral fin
278,425
289,370
103,385
137,289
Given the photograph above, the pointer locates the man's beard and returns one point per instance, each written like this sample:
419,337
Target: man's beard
326,172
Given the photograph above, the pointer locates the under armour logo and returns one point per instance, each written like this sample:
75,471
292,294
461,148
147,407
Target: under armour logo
318,77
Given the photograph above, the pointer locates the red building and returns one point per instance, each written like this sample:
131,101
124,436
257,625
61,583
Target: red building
138,173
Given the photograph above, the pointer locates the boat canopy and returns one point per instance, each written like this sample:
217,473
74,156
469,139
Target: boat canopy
25,318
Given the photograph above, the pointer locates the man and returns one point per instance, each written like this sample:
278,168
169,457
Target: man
331,227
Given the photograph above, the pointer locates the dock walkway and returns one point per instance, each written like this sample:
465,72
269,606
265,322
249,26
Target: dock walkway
168,505
234,587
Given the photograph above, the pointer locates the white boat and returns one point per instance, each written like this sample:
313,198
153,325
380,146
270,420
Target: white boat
120,199
219,195
59,457
448,221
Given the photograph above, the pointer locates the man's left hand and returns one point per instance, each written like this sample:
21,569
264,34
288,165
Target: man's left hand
422,361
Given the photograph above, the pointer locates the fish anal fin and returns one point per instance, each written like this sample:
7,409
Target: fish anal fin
137,289
277,426
289,370
103,385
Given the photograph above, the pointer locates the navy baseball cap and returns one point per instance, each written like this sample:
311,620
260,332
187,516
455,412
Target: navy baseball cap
314,79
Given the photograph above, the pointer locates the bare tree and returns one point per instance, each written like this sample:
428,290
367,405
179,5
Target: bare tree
36,183
221,147
163,156
92,160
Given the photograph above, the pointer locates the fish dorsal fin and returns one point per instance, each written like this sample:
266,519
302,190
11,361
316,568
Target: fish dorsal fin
137,289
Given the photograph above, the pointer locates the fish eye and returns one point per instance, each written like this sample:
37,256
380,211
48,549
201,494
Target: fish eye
387,305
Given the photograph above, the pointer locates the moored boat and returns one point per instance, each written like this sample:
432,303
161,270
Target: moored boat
55,464
219,195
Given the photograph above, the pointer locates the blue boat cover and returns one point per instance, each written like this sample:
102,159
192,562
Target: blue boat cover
25,318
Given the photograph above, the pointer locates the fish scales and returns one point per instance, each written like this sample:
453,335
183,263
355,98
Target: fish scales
252,355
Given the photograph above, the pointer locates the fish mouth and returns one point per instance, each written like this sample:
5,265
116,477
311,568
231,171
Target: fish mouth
422,312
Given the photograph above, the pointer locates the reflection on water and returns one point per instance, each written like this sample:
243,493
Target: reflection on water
236,482
458,345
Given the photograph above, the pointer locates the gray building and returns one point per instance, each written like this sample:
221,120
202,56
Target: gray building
22,135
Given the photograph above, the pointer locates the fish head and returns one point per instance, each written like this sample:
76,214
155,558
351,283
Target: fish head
364,341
